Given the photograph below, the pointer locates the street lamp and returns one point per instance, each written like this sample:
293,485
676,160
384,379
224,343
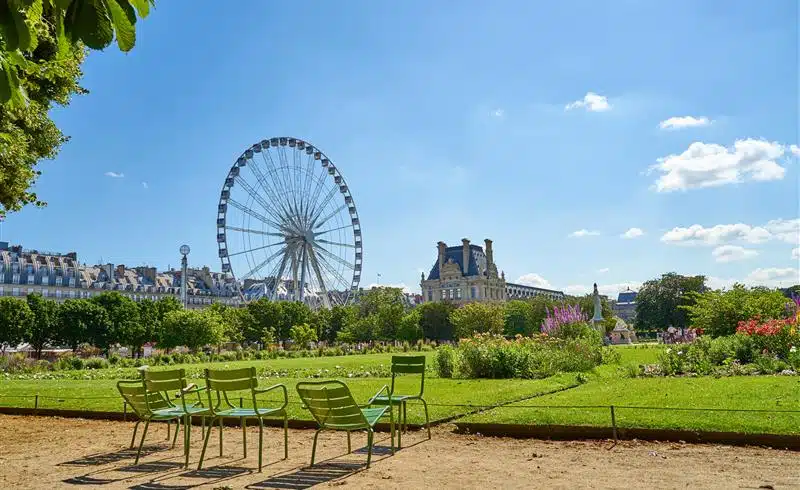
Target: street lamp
184,250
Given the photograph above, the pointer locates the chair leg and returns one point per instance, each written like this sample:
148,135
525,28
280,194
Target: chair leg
135,428
391,430
314,446
260,442
427,420
187,438
348,443
285,436
169,426
205,444
141,443
244,435
369,445
220,437
177,429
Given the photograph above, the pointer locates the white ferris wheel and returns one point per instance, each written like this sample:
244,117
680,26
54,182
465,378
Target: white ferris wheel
287,225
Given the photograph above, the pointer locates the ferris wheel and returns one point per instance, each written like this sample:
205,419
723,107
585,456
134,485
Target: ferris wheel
287,225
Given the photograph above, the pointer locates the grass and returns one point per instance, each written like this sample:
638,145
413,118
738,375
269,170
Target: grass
606,387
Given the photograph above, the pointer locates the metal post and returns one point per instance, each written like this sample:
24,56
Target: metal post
241,402
125,411
36,404
613,423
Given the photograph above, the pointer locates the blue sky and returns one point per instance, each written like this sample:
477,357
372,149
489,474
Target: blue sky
451,120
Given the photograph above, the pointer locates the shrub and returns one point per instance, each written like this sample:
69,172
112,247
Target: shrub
114,359
96,363
446,361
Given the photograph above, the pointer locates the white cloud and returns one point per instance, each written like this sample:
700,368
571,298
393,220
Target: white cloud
732,253
786,230
114,175
610,290
710,165
534,280
681,122
145,185
603,270
583,233
592,102
794,150
633,233
774,276
497,113
796,253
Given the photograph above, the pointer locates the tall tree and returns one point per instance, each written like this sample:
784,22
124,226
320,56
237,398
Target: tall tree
435,320
294,313
16,319
341,318
191,328
519,319
79,321
43,330
264,315
42,46
475,318
719,312
662,302
124,326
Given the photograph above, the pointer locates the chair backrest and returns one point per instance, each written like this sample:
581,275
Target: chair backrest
142,402
222,381
164,381
409,365
332,405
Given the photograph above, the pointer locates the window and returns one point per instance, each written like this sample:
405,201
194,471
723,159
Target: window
58,293
72,294
473,292
445,294
458,293
45,293
30,278
58,280
15,279
430,294
15,291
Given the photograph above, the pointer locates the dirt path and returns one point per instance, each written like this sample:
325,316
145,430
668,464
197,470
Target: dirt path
39,452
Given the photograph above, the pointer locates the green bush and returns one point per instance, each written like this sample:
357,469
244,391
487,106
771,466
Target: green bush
446,361
96,363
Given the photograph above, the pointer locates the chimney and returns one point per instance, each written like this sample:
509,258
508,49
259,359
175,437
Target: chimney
464,255
442,247
489,252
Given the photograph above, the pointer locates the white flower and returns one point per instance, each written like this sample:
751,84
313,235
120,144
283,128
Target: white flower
680,352
669,350
793,349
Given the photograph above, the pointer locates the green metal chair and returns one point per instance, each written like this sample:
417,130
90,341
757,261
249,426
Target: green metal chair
174,380
402,365
147,407
333,407
223,382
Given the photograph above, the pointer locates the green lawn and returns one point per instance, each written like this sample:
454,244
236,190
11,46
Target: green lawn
607,387
365,374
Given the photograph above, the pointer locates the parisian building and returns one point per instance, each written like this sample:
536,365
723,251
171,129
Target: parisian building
467,273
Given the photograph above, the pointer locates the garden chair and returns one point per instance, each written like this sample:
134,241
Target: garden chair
222,383
147,407
333,407
174,380
405,365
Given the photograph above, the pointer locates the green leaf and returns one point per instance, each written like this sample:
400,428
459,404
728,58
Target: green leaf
8,27
142,6
92,24
23,32
62,4
10,91
124,19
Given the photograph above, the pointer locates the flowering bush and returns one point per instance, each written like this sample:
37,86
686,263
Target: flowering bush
493,356
771,337
567,322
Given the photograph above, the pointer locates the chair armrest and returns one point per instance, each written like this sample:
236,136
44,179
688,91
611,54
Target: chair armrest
274,387
191,388
376,395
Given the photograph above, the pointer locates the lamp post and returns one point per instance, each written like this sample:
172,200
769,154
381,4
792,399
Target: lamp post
184,250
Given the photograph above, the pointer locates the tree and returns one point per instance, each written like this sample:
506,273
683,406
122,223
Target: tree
361,330
719,312
341,317
264,315
124,325
435,320
294,313
660,302
79,320
42,46
233,321
43,329
409,329
302,335
586,302
150,321
475,318
16,318
191,328
519,319
388,307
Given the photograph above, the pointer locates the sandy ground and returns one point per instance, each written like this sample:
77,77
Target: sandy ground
40,452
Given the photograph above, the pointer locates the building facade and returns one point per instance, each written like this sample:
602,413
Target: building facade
60,276
625,306
468,273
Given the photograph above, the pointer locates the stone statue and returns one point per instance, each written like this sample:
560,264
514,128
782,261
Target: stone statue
598,307
421,276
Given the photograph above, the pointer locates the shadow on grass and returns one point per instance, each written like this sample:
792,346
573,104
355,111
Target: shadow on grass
107,458
311,476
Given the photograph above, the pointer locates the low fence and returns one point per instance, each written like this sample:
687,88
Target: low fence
52,406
